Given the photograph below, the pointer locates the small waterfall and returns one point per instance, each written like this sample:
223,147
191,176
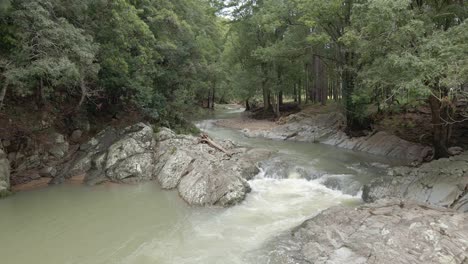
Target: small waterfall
280,169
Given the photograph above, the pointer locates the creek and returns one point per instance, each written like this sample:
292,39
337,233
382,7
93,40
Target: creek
142,224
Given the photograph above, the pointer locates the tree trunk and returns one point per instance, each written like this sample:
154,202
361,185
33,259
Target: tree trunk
3,93
299,92
247,105
320,85
84,91
306,83
266,92
353,124
295,93
213,97
441,129
275,104
40,94
280,98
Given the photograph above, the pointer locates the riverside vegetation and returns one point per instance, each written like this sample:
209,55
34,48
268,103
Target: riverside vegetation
111,91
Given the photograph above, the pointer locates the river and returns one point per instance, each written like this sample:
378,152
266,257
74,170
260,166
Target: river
142,224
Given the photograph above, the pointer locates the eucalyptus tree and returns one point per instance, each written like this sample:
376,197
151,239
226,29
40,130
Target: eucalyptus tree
415,50
50,53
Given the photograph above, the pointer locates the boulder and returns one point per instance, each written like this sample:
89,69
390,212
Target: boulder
202,174
4,174
390,232
441,182
58,146
126,155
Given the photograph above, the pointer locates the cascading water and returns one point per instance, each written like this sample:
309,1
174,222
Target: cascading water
143,224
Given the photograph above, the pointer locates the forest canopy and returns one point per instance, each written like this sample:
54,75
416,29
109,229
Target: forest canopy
170,55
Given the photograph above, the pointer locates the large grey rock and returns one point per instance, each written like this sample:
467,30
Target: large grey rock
202,174
176,165
442,182
327,129
384,233
4,174
126,155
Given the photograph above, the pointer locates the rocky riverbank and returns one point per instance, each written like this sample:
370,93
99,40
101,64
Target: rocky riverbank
441,183
387,232
202,174
412,215
327,128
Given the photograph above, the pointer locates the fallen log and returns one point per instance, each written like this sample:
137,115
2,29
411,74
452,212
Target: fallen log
205,139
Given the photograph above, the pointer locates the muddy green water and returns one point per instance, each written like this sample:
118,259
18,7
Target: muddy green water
144,224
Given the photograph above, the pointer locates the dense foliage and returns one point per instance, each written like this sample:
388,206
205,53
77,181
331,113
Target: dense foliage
368,55
147,53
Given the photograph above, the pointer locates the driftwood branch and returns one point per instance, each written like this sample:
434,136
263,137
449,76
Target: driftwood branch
206,140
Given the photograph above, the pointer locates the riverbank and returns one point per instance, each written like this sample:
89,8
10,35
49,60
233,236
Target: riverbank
388,232
325,124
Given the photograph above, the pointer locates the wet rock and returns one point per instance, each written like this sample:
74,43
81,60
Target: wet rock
126,155
442,182
4,174
280,168
76,135
204,175
345,183
384,233
48,172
